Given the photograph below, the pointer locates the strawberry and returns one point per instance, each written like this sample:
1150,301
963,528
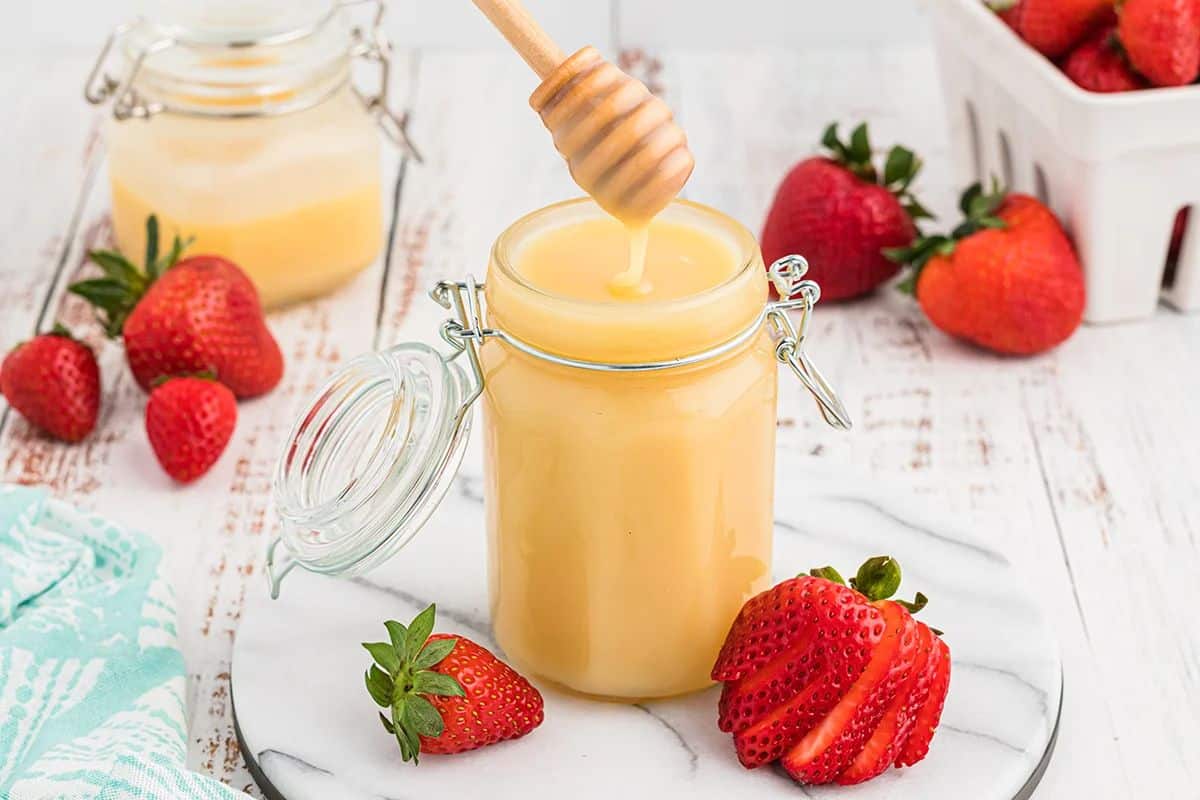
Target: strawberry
201,314
1009,11
1098,65
1006,279
53,381
786,659
882,749
1053,27
916,747
840,214
829,748
1162,38
818,673
189,421
446,694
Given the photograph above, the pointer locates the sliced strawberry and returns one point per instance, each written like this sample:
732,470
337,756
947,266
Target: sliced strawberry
917,746
779,619
893,731
748,700
847,633
826,750
769,738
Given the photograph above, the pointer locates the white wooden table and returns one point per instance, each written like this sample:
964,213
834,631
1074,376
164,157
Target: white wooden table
1083,464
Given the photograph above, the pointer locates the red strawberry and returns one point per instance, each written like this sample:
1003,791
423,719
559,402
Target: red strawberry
827,750
446,694
1052,27
788,659
1162,38
189,421
201,314
53,381
816,672
927,719
1098,65
1007,279
886,743
840,216
1009,11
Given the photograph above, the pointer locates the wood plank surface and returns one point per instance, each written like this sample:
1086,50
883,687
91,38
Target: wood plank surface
1082,463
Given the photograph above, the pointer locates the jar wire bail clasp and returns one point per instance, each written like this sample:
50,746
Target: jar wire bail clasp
373,45
367,42
101,86
786,276
467,329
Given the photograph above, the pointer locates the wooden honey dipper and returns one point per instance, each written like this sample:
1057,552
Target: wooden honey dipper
621,142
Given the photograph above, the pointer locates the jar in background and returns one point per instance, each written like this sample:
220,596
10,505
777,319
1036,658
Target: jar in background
238,126
629,457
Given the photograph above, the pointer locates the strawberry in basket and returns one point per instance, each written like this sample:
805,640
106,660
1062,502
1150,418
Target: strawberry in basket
1162,38
1007,278
1053,27
838,683
1100,65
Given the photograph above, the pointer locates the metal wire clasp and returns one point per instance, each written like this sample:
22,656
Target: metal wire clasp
370,44
100,86
467,329
374,46
786,274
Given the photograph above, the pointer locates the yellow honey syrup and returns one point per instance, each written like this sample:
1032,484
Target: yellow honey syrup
601,259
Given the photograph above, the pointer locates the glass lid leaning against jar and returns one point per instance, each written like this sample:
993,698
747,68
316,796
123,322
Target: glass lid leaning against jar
629,453
239,124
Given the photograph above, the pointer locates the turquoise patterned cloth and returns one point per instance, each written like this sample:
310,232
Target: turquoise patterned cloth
91,679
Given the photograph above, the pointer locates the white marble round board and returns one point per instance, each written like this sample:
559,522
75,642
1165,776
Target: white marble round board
309,730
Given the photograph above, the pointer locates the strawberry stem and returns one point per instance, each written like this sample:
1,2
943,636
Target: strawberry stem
402,679
979,212
122,286
877,579
900,168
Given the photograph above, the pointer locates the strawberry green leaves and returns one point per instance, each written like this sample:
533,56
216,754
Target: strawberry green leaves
117,293
402,677
855,155
878,579
829,574
979,211
900,168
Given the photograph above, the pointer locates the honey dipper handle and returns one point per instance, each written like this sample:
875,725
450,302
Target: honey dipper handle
524,34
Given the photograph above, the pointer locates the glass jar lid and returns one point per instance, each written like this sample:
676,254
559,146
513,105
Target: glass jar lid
369,460
230,58
230,22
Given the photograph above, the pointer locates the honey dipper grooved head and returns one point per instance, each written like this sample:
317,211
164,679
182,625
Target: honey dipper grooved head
620,141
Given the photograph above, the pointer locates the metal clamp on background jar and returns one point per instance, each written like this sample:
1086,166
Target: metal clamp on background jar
329,483
142,40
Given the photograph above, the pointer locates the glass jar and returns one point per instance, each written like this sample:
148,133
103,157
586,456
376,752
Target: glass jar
239,127
629,459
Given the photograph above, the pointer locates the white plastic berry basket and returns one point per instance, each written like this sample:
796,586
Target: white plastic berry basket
1116,168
